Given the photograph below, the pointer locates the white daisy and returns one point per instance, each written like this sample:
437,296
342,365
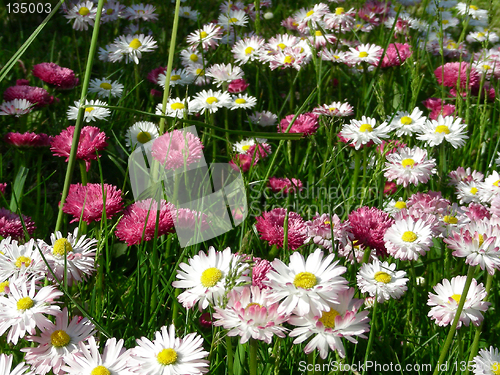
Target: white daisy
187,12
111,11
106,88
17,260
381,280
224,73
445,302
179,77
131,47
83,14
342,320
369,53
6,365
233,18
243,146
208,36
208,100
306,285
169,355
176,107
394,206
335,109
264,118
247,49
490,188
243,101
444,128
472,10
140,133
16,107
58,342
145,12
407,123
113,360
467,191
23,309
197,71
91,113
406,239
487,362
361,132
73,253
333,56
409,166
191,56
205,277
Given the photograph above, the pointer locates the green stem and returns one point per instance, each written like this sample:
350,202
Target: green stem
230,357
354,182
79,118
453,328
252,358
372,331
257,16
310,363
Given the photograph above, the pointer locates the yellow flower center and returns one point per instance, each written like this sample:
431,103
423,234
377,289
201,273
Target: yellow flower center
186,13
442,129
100,370
4,285
452,45
253,304
175,77
450,219
365,128
245,147
240,101
382,277
212,100
105,86
193,57
59,338
318,33
83,11
495,368
62,246
25,303
496,183
332,109
328,318
486,67
408,163
232,20
305,280
406,120
89,109
167,357
310,13
23,260
282,45
289,59
456,297
135,43
473,7
210,277
481,239
339,11
248,50
445,22
109,11
143,137
203,34
363,54
409,236
473,190
177,106
327,222
480,35
400,204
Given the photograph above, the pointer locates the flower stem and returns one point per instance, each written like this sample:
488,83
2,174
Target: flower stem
354,182
372,330
230,359
453,328
79,118
252,359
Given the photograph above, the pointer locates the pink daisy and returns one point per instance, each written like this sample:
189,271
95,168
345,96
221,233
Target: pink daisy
177,148
91,140
11,225
88,201
28,139
321,228
457,74
139,221
271,228
306,123
238,85
395,55
35,95
259,272
409,166
278,184
62,78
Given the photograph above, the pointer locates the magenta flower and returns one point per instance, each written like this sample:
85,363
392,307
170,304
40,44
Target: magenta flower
28,139
396,54
87,202
237,86
11,225
286,185
259,272
139,221
153,75
306,123
35,95
456,75
51,73
271,228
368,225
91,140
176,149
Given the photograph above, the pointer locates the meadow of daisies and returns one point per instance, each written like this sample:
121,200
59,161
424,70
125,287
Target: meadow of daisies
366,138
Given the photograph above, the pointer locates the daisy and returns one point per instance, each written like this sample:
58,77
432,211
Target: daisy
289,57
177,149
250,315
16,107
244,101
6,365
36,95
112,11
271,227
341,320
408,238
168,354
237,86
211,101
285,185
58,343
472,10
409,165
208,37
445,302
180,77
106,88
340,19
233,18
112,361
176,107
487,362
190,56
381,280
131,47
407,123
205,277
140,133
198,72
145,12
333,56
490,188
322,227
13,225
306,123
83,14
306,285
242,147
335,109
74,254
23,309
247,49
361,132
91,113
467,192
222,73
17,260
55,75
444,128
187,12
265,118
368,53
